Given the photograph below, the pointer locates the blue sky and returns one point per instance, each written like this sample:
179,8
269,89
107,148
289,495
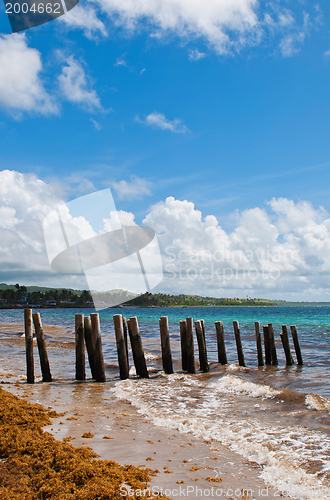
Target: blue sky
224,105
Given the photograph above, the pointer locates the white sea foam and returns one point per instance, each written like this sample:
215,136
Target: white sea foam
234,385
149,356
132,371
183,403
316,402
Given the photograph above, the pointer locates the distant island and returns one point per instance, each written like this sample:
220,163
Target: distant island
19,296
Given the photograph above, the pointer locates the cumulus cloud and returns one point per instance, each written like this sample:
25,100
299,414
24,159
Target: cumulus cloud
159,120
281,253
281,250
125,219
86,19
134,189
21,86
25,201
76,87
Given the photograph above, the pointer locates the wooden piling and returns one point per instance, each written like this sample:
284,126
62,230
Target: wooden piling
222,356
44,363
183,339
98,353
90,344
166,346
286,345
203,364
125,338
121,347
296,344
272,344
29,346
240,353
203,329
258,341
137,348
80,347
268,354
190,346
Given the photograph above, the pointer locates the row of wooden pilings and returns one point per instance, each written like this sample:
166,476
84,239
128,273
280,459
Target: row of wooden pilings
88,333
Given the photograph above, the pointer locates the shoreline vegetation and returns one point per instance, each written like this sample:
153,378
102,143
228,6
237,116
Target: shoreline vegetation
34,464
20,296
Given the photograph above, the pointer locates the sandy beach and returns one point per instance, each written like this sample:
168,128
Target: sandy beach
188,467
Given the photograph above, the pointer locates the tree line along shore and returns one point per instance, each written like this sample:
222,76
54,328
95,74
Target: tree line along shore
19,296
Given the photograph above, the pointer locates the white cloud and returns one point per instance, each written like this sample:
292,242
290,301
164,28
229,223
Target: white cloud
136,189
292,41
25,201
281,254
159,120
125,219
76,184
121,62
21,87
285,18
281,251
195,55
75,86
290,45
225,25
96,124
221,22
86,19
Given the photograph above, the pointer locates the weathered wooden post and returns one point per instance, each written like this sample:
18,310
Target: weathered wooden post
240,354
80,347
44,363
166,346
125,337
203,364
121,348
286,345
98,353
222,356
190,346
272,344
258,341
90,344
137,348
296,344
203,329
268,354
29,346
183,339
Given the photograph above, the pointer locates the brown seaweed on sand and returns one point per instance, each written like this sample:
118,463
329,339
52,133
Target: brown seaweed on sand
34,465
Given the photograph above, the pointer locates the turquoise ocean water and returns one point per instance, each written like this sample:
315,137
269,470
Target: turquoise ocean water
312,322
